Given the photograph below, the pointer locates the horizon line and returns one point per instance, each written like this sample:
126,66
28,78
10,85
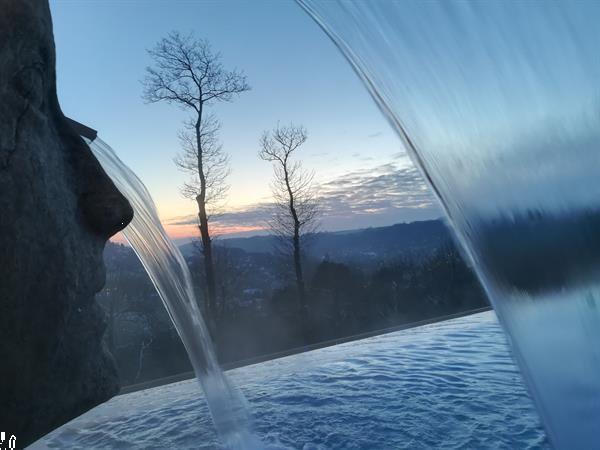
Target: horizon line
241,233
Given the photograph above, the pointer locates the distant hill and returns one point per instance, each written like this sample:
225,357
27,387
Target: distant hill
366,244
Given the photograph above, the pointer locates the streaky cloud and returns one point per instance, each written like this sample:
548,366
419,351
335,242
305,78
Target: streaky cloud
388,193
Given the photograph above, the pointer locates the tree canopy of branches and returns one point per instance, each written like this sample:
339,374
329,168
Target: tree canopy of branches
187,73
215,163
296,208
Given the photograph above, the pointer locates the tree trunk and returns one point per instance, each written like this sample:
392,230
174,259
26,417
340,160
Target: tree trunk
300,287
209,269
208,260
297,256
298,269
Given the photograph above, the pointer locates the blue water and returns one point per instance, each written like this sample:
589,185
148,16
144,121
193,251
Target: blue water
449,385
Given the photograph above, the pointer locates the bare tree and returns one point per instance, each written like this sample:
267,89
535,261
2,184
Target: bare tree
215,163
296,209
187,73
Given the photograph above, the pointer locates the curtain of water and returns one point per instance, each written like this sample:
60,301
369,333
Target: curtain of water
170,275
497,103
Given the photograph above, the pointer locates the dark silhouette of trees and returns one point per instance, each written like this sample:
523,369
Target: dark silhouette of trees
346,298
296,208
336,294
188,73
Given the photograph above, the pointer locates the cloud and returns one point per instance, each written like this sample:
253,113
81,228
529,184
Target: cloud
369,191
386,194
252,216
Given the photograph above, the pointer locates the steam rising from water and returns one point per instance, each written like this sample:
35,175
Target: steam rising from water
497,104
170,275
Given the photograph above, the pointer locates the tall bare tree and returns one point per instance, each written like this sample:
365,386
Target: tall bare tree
215,162
296,208
186,72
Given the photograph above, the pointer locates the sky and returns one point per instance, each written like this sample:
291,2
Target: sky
297,75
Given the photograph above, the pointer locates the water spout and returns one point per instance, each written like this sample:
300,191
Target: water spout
496,102
170,275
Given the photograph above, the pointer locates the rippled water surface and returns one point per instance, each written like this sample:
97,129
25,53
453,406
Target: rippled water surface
450,385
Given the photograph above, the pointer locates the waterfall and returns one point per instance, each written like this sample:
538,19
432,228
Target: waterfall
497,104
171,277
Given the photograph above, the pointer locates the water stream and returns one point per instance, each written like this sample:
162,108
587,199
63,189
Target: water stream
171,277
498,104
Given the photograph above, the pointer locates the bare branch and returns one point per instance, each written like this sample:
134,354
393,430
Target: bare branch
296,210
186,72
215,162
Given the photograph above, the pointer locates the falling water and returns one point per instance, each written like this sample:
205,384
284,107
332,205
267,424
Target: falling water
497,103
169,273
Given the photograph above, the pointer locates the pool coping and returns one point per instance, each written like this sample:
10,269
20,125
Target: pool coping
293,351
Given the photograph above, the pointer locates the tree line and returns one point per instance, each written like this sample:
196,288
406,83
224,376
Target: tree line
343,299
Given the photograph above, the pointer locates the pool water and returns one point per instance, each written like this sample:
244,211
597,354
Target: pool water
448,385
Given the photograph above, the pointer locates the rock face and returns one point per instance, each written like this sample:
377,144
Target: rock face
57,209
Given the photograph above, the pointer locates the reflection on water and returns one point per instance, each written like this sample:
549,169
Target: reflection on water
498,104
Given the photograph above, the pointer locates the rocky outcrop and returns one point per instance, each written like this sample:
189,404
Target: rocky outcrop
57,209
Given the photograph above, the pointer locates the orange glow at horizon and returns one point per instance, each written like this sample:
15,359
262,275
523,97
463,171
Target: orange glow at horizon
191,231
188,231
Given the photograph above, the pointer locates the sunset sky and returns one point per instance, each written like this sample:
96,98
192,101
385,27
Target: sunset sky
297,75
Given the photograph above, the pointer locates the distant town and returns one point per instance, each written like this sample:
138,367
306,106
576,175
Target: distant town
357,281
